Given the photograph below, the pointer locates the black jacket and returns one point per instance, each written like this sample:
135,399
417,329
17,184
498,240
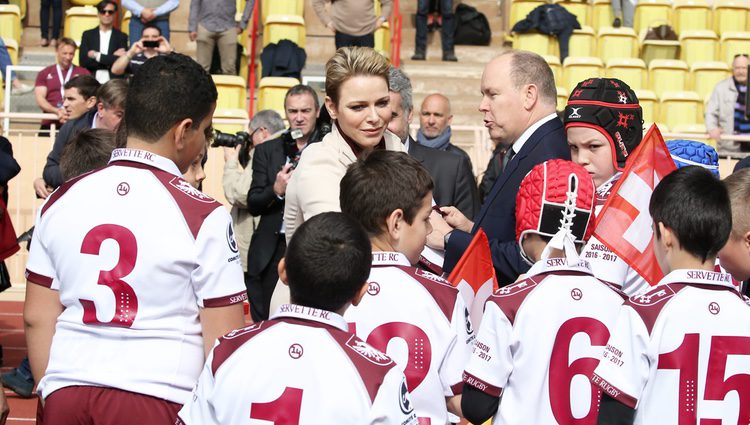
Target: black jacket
284,59
51,174
90,41
9,167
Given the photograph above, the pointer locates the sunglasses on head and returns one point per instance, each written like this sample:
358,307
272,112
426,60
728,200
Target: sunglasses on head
107,12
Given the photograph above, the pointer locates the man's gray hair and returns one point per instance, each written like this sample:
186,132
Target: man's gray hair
268,119
401,84
530,68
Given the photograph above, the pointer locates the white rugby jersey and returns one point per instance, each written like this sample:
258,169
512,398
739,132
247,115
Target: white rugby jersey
540,341
134,252
300,367
680,353
605,264
421,321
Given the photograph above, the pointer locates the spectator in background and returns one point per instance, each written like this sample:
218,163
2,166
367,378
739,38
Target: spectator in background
725,111
149,11
452,174
5,61
151,45
435,125
212,23
446,30
49,88
101,46
353,21
44,21
238,176
623,11
80,96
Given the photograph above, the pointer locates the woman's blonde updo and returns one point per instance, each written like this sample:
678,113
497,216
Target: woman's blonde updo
350,62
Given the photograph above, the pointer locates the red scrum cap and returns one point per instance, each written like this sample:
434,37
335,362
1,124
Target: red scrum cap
556,196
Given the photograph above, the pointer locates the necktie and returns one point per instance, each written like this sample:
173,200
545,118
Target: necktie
508,156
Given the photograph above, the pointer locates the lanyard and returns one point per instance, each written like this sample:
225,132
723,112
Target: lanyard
63,82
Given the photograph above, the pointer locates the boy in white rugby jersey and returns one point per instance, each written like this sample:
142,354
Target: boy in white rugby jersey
735,255
603,123
540,336
303,366
416,317
678,353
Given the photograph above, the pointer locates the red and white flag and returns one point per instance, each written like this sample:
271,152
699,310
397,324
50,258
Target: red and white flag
474,276
624,224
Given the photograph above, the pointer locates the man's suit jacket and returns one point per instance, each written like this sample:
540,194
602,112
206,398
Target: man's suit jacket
90,41
497,217
268,160
452,175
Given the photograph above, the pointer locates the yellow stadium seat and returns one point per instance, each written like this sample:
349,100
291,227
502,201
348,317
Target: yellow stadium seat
730,16
232,92
84,2
562,98
632,71
582,42
680,107
222,113
697,129
667,75
12,46
554,63
79,19
21,5
581,9
733,43
125,25
10,21
280,27
243,63
539,43
662,127
649,104
699,46
519,9
649,13
617,43
658,49
705,75
271,93
577,69
601,15
691,15
383,39
285,7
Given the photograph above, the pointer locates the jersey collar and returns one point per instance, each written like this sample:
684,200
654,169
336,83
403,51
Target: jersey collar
308,313
559,264
385,258
145,157
700,277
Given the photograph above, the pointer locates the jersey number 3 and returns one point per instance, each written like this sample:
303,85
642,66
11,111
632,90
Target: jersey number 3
126,302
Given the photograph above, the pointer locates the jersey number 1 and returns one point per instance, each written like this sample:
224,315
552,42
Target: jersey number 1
126,302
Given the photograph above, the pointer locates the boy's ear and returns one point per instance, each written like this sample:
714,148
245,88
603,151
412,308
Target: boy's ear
395,222
360,294
180,130
746,240
667,237
282,271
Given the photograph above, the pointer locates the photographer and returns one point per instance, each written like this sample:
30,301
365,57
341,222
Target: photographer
238,173
151,44
273,165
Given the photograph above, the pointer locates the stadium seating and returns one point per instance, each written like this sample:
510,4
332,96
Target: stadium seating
680,107
229,114
79,19
12,46
698,46
667,75
286,7
562,98
582,42
733,43
535,42
616,43
10,21
657,49
705,75
649,104
688,15
383,39
232,92
662,127
577,69
632,71
519,9
601,15
554,63
125,25
730,16
279,27
581,9
271,92
21,6
649,13
694,128
84,2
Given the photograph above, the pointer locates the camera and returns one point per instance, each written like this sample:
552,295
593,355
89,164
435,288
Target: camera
289,139
230,140
150,43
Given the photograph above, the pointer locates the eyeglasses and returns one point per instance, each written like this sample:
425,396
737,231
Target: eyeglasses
107,12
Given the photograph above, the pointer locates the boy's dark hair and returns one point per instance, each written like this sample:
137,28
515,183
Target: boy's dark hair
695,206
380,183
166,90
86,85
327,261
88,150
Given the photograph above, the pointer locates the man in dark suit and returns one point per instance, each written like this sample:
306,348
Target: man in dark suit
518,104
101,46
272,169
451,173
